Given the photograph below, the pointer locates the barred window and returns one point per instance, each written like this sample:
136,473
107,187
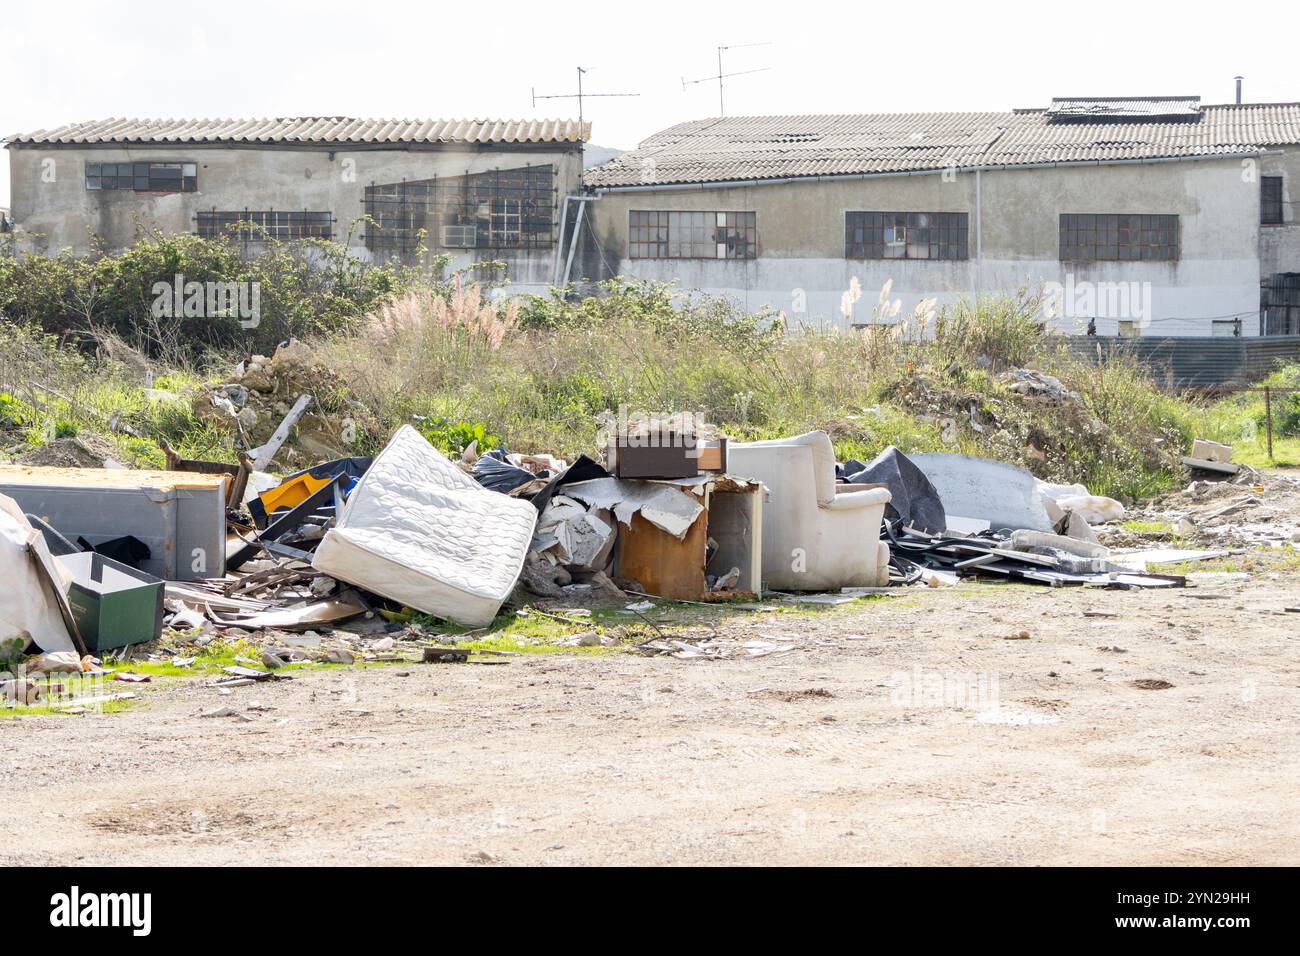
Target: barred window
144,177
1270,200
653,234
905,235
255,225
500,209
1118,238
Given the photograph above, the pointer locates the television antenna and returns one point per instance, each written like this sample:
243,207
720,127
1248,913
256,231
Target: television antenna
579,96
720,76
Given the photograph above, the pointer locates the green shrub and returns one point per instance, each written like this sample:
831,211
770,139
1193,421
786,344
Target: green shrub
452,438
306,288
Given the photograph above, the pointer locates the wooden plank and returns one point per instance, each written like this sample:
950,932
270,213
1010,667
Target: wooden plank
663,565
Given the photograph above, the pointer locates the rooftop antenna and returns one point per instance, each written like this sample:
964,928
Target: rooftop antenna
1238,79
722,76
579,96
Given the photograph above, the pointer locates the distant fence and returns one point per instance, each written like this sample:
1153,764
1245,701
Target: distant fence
1187,362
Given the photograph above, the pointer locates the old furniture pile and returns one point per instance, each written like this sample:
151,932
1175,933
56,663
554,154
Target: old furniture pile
104,558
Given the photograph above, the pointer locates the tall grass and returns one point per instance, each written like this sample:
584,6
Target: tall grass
540,374
924,384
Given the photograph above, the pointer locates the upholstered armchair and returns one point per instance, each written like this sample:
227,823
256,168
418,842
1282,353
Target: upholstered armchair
816,535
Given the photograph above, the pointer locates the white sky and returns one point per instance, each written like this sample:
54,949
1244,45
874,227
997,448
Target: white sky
75,60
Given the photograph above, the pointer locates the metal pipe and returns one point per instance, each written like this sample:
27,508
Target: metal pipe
1268,415
559,242
573,243
1238,79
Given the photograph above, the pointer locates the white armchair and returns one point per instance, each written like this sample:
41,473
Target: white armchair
816,535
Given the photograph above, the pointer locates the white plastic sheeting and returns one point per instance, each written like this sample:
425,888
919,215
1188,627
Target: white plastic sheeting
29,610
668,505
1003,495
419,531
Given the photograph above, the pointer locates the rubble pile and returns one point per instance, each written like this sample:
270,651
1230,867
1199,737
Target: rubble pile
263,391
1249,510
1040,424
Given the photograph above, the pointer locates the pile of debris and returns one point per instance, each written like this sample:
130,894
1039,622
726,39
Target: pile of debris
1249,511
335,560
290,408
125,556
952,516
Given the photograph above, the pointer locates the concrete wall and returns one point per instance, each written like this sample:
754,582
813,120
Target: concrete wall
1279,246
56,211
801,269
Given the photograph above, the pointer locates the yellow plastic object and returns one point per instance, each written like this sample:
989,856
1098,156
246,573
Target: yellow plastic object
292,493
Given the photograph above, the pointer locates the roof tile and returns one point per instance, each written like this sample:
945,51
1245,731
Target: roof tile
780,147
310,129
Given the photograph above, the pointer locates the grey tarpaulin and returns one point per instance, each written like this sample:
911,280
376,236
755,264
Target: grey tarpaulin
914,501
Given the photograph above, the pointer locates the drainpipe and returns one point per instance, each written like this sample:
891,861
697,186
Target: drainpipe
561,280
559,245
573,242
1238,79
979,231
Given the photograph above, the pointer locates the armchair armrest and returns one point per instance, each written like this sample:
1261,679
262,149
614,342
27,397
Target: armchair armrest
852,500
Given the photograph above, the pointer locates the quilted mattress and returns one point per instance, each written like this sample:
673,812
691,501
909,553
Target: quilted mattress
418,530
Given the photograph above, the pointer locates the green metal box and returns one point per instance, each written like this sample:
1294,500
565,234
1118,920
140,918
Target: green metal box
114,605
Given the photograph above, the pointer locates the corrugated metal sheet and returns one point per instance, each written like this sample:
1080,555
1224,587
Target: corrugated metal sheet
310,129
1124,106
1196,362
778,147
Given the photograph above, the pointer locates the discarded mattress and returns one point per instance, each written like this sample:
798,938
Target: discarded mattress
30,609
418,530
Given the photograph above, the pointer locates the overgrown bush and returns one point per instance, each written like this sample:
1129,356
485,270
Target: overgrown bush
543,373
928,382
305,288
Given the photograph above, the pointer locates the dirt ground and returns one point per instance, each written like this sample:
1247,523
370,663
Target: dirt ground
905,730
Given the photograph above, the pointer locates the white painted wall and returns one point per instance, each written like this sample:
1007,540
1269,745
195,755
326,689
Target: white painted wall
801,242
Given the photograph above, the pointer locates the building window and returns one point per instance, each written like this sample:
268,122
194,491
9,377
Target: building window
1118,238
905,235
1270,200
501,209
1128,329
1279,304
254,226
144,177
692,235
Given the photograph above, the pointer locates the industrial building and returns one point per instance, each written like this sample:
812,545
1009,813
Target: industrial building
475,190
1151,216
1140,216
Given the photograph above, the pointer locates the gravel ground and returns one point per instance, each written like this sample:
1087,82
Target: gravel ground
981,724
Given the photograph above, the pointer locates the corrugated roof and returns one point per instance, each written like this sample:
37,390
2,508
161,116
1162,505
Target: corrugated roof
311,129
1122,107
780,147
